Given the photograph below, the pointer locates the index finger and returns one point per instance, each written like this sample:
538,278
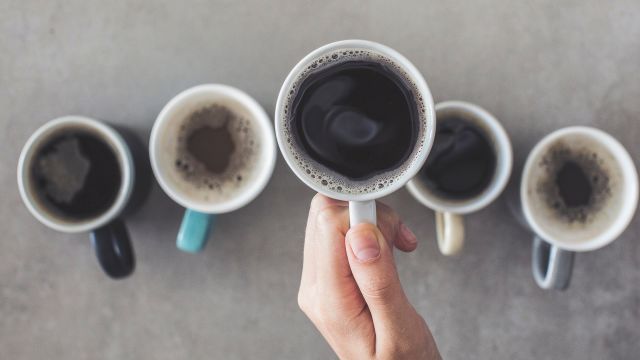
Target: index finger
328,225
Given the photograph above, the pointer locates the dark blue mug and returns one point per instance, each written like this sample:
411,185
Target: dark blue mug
77,174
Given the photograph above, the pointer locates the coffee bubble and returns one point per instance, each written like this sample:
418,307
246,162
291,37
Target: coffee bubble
576,186
321,174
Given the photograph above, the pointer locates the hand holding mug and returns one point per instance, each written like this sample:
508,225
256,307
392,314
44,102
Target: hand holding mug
350,288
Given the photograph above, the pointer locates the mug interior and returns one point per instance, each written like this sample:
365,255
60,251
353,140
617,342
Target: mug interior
501,146
603,220
368,189
164,144
39,207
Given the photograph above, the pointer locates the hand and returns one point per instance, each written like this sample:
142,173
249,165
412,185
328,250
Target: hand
350,287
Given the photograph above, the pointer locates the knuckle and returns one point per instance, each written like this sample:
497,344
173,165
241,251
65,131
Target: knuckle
388,217
323,320
386,211
329,314
379,289
411,341
319,201
397,349
303,302
389,231
327,216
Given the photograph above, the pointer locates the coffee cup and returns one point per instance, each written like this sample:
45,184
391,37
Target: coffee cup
212,151
77,174
578,192
468,168
355,121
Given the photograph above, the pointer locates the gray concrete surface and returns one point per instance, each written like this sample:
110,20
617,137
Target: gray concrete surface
537,65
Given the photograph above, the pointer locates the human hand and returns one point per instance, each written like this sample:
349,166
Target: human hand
350,288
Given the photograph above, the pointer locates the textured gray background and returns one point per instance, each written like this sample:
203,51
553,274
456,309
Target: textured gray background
537,65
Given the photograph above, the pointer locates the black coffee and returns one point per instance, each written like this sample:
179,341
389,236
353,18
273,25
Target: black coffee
461,162
358,118
76,174
576,185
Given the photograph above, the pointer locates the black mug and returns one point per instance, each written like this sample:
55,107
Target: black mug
77,174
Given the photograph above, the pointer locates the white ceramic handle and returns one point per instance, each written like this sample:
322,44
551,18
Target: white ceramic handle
450,232
362,212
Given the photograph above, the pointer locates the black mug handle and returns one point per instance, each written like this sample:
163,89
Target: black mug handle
113,249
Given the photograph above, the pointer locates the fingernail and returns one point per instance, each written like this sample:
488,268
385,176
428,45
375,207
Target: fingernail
407,234
364,245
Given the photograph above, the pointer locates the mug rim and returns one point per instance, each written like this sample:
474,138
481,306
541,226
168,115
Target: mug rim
421,86
629,175
117,144
265,130
500,177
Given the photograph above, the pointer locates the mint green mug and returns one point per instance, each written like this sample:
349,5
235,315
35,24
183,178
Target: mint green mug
213,151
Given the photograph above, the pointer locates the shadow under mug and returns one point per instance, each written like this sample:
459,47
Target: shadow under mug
449,212
362,205
200,214
556,240
108,233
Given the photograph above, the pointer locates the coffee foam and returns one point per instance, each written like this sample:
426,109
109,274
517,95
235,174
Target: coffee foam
320,174
67,187
65,169
193,177
578,222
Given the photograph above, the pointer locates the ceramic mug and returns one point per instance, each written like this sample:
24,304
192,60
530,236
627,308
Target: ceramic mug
108,232
449,211
362,207
578,192
202,203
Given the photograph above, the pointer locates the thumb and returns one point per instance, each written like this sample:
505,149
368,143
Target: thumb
373,268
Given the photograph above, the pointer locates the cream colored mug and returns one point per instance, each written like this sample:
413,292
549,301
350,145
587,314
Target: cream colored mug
449,211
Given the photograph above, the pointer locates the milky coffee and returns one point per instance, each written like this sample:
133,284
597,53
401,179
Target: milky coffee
216,152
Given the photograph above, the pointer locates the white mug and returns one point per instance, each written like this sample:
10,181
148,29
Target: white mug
557,236
449,212
362,206
200,214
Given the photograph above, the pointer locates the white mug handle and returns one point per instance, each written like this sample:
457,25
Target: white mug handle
450,232
362,212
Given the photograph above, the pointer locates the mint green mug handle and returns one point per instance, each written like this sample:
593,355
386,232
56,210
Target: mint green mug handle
194,231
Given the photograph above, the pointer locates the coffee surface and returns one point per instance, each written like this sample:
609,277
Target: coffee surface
576,185
462,161
573,185
76,175
216,151
213,147
357,118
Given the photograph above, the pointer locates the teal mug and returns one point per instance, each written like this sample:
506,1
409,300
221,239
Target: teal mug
212,150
